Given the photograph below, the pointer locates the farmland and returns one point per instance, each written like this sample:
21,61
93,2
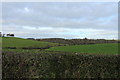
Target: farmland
30,59
19,42
97,48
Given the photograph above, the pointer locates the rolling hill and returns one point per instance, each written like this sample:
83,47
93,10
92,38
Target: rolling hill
19,42
105,48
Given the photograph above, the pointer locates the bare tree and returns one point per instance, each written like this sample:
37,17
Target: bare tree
0,34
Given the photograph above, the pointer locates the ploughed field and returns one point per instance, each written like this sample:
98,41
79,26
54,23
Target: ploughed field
22,58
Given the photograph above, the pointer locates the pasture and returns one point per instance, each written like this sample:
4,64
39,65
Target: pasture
110,48
106,48
19,43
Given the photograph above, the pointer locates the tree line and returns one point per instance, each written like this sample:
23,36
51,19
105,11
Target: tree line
77,41
6,35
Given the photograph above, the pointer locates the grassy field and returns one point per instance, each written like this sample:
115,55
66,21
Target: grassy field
19,42
96,48
110,48
58,62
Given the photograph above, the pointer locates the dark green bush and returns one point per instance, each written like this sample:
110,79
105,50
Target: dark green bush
59,65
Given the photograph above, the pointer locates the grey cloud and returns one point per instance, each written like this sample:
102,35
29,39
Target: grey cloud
59,15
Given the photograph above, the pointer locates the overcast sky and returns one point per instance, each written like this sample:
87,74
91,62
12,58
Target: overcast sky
61,20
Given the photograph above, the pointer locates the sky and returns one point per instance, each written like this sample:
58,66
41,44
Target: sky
94,20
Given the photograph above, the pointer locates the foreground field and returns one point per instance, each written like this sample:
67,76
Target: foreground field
96,48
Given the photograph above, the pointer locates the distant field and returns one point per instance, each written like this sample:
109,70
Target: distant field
19,42
111,48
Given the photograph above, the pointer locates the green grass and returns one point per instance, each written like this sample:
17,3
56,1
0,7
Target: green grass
19,42
111,48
